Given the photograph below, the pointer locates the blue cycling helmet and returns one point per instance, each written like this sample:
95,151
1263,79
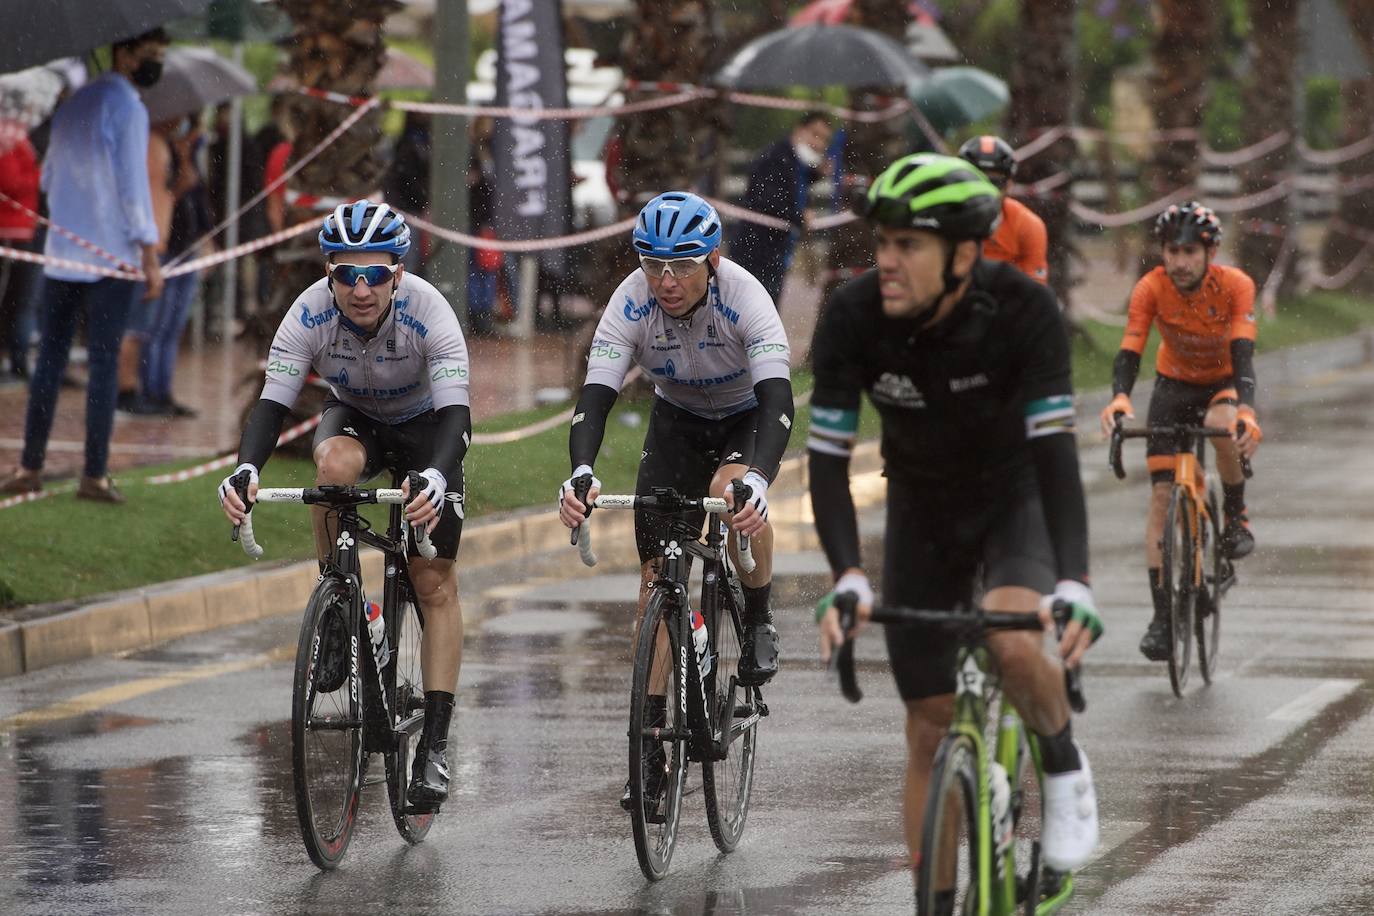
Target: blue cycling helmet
677,224
365,226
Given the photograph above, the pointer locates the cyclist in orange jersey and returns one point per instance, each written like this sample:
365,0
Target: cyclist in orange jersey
1020,239
1205,365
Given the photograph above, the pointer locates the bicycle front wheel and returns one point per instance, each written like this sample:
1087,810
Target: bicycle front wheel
1176,572
658,767
1207,608
727,783
947,881
406,688
326,725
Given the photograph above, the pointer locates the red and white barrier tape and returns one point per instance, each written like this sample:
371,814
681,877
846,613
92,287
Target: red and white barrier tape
1346,273
1248,153
1277,191
22,498
1269,292
750,216
1339,155
90,246
33,257
238,251
562,241
200,470
551,114
295,167
1129,217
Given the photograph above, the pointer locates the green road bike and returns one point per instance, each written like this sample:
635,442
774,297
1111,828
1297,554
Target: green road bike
980,832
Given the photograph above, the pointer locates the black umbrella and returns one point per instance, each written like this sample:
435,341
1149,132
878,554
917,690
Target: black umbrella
821,55
39,30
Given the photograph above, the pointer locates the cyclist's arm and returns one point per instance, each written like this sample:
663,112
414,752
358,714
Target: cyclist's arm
834,428
770,367
452,436
288,364
589,424
260,433
1139,317
1049,415
1243,333
445,352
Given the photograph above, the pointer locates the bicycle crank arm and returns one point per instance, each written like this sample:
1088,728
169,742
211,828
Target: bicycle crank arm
332,724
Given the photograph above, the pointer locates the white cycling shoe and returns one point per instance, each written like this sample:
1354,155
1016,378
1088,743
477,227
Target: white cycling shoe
1069,833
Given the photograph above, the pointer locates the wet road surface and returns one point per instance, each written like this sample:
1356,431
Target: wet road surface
159,782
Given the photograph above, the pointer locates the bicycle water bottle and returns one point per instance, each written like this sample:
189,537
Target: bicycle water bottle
376,629
1000,789
699,640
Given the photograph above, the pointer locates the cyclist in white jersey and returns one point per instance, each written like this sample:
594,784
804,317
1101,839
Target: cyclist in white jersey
709,336
392,352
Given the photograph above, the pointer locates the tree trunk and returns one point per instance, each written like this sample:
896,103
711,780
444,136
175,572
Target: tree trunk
1184,47
1042,97
869,148
1355,210
1268,102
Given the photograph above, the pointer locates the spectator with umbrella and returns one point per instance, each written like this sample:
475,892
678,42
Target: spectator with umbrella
96,180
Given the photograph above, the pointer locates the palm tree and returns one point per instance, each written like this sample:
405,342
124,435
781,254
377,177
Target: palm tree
1356,209
1268,103
1183,50
1041,97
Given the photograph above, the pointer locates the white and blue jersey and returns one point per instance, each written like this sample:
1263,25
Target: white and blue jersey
416,361
706,363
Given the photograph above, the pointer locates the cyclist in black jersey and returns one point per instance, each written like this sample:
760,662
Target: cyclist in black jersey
967,362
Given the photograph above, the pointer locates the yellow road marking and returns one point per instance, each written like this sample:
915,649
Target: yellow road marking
118,693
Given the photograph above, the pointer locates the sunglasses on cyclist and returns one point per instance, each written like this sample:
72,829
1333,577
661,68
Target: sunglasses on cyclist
371,274
680,268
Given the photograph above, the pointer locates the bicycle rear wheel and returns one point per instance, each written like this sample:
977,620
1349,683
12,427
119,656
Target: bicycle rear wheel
1176,572
727,783
326,724
947,881
657,779
406,688
1208,605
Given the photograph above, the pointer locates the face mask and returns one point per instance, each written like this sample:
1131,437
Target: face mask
147,74
807,155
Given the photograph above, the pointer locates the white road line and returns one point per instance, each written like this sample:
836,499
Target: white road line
1307,705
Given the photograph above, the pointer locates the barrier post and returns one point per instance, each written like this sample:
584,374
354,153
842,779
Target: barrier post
448,173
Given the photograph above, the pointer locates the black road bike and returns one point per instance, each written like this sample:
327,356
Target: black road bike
351,699
710,718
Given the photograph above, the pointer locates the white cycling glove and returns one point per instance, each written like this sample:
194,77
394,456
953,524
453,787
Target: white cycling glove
583,470
759,498
435,487
857,583
1080,598
227,485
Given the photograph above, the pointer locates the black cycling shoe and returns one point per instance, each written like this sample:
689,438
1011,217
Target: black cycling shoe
1154,645
1236,538
758,656
331,668
429,778
655,781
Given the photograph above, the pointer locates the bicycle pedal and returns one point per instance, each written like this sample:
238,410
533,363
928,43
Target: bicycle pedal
414,811
762,707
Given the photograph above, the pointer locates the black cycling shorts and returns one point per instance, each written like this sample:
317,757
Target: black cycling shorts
400,449
683,451
1174,402
935,548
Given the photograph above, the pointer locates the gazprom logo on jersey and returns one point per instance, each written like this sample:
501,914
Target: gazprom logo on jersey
721,307
323,318
635,312
668,370
405,319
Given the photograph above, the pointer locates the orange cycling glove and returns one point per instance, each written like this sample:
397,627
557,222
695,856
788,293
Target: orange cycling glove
1246,414
1120,404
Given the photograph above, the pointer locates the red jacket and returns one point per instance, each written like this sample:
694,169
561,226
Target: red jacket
19,173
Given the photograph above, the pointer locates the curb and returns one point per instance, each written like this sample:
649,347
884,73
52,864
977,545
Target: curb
38,637
45,635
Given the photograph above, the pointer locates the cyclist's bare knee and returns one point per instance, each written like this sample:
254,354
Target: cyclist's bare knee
435,581
927,720
339,460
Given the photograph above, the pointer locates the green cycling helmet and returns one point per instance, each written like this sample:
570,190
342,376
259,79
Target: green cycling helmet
940,194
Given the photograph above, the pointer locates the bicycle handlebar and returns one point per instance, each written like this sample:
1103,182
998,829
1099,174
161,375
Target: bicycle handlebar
336,496
1121,433
662,499
964,623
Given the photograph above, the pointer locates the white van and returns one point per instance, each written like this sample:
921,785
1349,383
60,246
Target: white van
589,86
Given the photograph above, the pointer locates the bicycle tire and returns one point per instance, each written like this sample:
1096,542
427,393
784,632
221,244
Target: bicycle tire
728,783
655,824
406,692
1207,607
952,813
1176,571
327,763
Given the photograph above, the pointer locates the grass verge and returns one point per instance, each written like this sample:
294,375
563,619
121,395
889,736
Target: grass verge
59,549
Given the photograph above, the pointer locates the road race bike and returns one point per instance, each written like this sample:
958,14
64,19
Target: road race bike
1194,568
349,702
981,827
710,718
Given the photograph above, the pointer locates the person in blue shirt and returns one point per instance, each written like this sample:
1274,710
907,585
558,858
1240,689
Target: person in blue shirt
96,179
